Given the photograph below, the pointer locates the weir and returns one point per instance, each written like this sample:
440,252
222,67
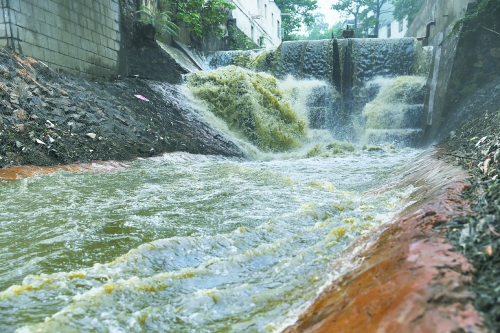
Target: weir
354,68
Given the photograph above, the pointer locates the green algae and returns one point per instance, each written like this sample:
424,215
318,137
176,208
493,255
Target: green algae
252,104
389,109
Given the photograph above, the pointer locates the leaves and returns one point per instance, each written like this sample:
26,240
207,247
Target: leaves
406,9
202,18
295,13
158,19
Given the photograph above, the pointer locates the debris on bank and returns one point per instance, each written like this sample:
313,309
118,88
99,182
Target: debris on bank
51,118
476,147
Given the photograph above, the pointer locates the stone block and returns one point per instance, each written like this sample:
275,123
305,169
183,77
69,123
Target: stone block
90,24
53,45
103,41
96,38
54,7
26,49
66,37
87,34
63,48
3,31
73,51
49,56
85,44
42,40
38,53
44,4
15,5
73,16
30,37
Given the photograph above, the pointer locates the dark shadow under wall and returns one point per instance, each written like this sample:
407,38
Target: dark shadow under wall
141,55
465,81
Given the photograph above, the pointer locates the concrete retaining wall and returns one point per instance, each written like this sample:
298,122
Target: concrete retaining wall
78,36
443,12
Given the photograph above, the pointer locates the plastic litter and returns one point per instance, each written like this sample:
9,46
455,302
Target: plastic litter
142,97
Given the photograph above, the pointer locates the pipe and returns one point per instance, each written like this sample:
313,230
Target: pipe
427,31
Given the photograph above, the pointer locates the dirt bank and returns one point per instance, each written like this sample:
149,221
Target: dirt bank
50,118
475,146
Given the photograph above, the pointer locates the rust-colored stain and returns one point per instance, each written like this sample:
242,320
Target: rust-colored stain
409,280
19,172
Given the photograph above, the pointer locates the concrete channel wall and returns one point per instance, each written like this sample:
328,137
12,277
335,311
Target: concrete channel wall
443,12
77,36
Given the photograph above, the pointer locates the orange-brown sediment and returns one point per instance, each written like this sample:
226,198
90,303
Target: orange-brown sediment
410,280
18,172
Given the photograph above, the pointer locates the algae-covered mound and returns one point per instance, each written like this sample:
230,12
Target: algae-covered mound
252,105
397,103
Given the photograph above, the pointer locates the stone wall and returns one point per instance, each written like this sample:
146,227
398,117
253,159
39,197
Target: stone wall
77,36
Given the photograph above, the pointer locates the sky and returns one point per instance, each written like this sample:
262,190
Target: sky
331,16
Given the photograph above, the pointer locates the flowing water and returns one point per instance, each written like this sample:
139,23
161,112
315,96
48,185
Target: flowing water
191,243
185,243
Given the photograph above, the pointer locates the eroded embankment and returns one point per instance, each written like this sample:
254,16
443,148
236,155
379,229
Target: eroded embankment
410,280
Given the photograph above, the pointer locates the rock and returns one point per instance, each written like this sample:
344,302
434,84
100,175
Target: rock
91,135
495,52
40,142
20,114
18,144
14,99
478,64
19,127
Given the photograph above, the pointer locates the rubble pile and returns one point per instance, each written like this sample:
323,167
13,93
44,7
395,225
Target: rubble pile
51,118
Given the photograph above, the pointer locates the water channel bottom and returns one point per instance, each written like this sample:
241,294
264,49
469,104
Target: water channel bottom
186,243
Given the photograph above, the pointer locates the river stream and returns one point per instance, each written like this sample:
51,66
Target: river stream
185,243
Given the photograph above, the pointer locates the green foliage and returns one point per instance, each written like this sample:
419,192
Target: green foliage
297,13
486,14
159,19
352,8
240,41
406,9
203,18
368,11
320,30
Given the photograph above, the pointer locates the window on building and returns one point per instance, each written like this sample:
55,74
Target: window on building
389,30
272,19
400,26
265,11
279,29
252,34
258,4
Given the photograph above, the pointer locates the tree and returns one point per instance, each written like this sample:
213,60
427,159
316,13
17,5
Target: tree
160,20
367,10
406,9
295,13
203,18
351,8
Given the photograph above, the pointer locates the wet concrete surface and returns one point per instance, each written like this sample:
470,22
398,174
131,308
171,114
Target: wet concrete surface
410,279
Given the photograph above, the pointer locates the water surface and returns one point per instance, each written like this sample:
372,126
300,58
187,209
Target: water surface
185,243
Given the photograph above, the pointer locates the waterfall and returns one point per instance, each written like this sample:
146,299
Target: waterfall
354,68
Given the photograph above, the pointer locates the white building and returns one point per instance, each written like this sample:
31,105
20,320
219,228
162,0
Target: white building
260,20
388,26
